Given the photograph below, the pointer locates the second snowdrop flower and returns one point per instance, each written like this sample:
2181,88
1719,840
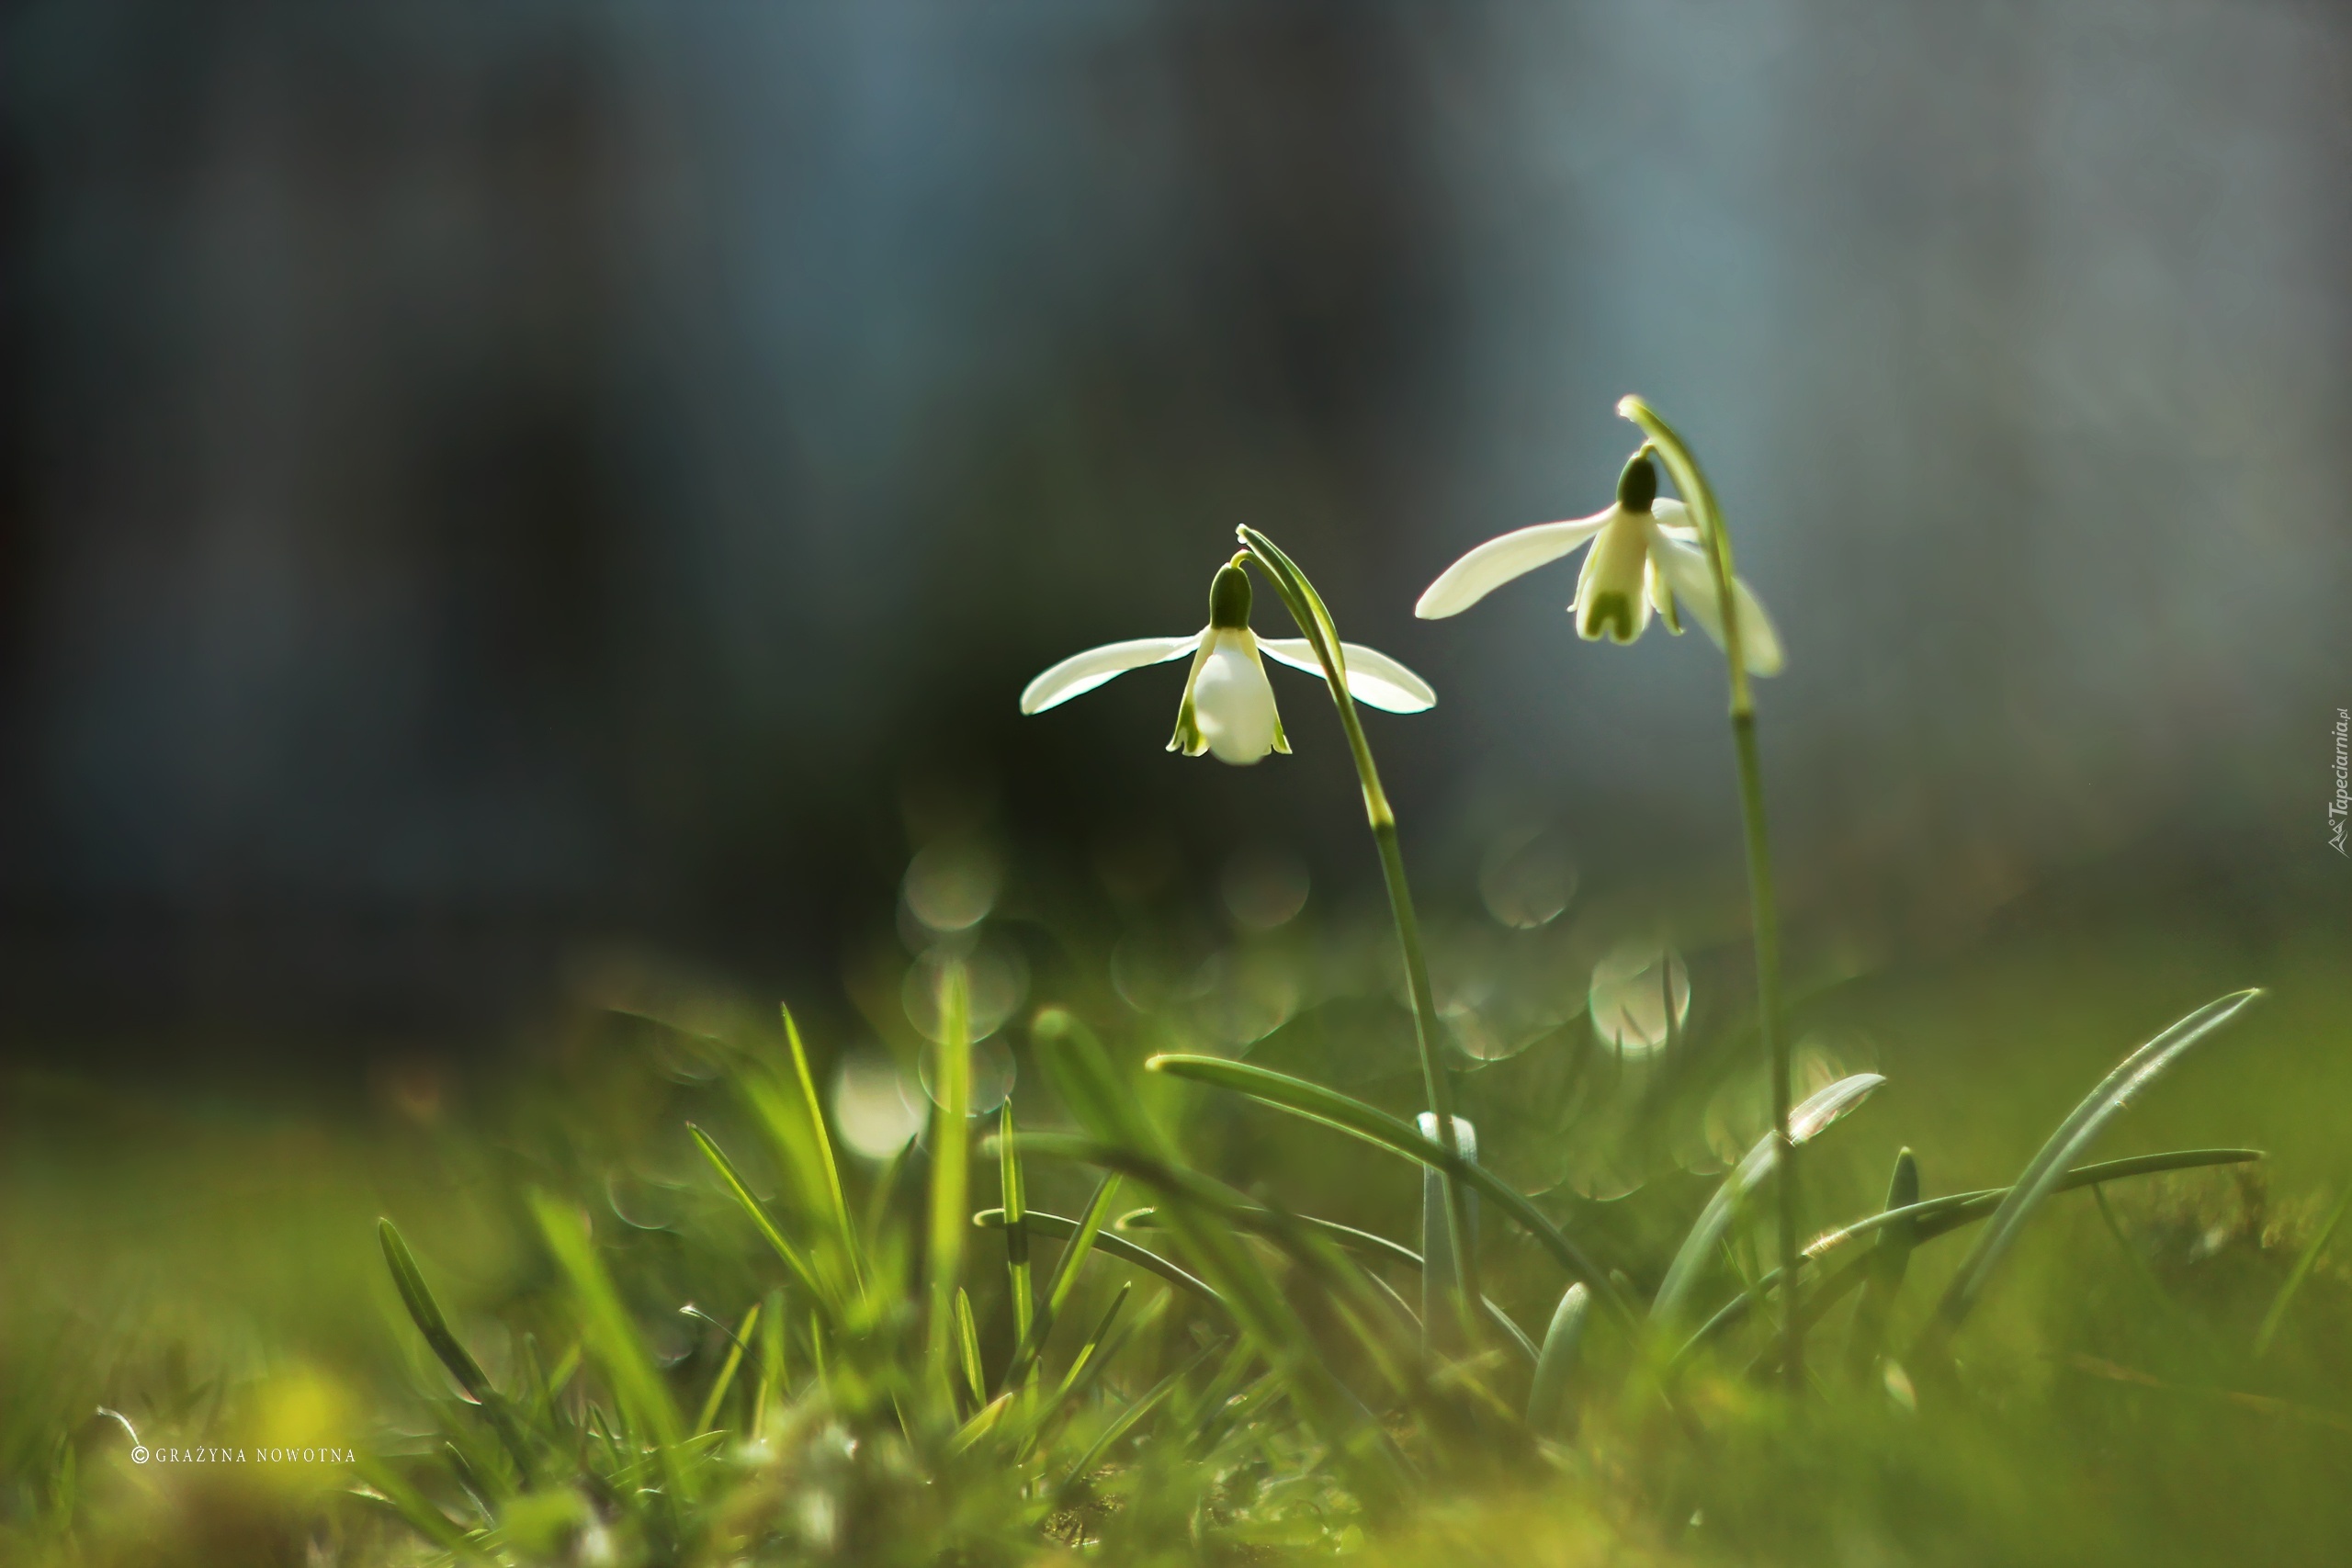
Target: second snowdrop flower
1229,706
1645,557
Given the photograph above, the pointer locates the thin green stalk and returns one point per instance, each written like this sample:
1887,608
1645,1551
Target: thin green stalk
1016,1234
1768,1012
1306,608
950,1152
1701,498
726,1378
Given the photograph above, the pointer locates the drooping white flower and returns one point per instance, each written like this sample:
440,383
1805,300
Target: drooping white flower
1646,557
1228,708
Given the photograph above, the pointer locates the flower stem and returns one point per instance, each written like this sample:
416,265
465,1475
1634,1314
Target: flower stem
1306,608
950,1213
1764,917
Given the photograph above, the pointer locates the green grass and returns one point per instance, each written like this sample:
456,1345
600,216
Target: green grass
2148,1360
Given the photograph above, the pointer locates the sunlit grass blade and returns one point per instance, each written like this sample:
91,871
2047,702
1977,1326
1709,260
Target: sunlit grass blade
1210,1218
1111,1245
2043,1175
983,1421
1935,1217
1126,1142
726,1378
1698,1250
967,1347
751,1205
412,1508
950,1179
824,1143
1016,1232
2304,1263
1204,1220
774,1374
1201,1215
1370,1244
1440,1326
614,1339
1126,1421
1891,1258
425,1313
1314,1102
1200,1413
1066,1271
1089,1231
1093,1344
1550,1412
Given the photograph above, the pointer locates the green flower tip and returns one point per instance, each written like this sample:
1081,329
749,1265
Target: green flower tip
1230,597
1637,485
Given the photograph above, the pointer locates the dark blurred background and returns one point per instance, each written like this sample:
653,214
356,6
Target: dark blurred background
485,484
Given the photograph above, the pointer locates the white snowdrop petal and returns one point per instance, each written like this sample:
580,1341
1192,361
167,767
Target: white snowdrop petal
1693,581
1373,679
1233,703
1498,561
1611,598
1081,673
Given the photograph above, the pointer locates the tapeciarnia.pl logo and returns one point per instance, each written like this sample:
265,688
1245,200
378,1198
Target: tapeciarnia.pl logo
2340,808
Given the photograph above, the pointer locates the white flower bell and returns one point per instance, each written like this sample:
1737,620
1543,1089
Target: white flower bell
1645,557
1228,707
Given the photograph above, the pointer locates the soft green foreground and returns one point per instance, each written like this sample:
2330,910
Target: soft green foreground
216,1276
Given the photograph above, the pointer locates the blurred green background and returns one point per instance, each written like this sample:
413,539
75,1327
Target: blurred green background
486,486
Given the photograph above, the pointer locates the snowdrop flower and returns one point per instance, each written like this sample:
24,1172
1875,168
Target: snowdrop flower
1645,557
1228,707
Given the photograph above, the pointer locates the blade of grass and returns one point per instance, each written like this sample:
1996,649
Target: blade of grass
1132,1145
2297,1275
411,1508
1313,1103
1065,1276
1229,1215
1126,1421
1891,1258
1103,1346
611,1336
425,1313
1016,1233
2041,1176
775,1343
1936,1217
1698,1250
967,1347
983,1421
1441,1327
726,1378
1549,1411
736,1189
824,1142
950,1175
1094,1341
1370,1245
1109,1245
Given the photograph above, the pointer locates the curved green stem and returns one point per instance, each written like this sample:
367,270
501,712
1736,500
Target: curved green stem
1306,608
1765,917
